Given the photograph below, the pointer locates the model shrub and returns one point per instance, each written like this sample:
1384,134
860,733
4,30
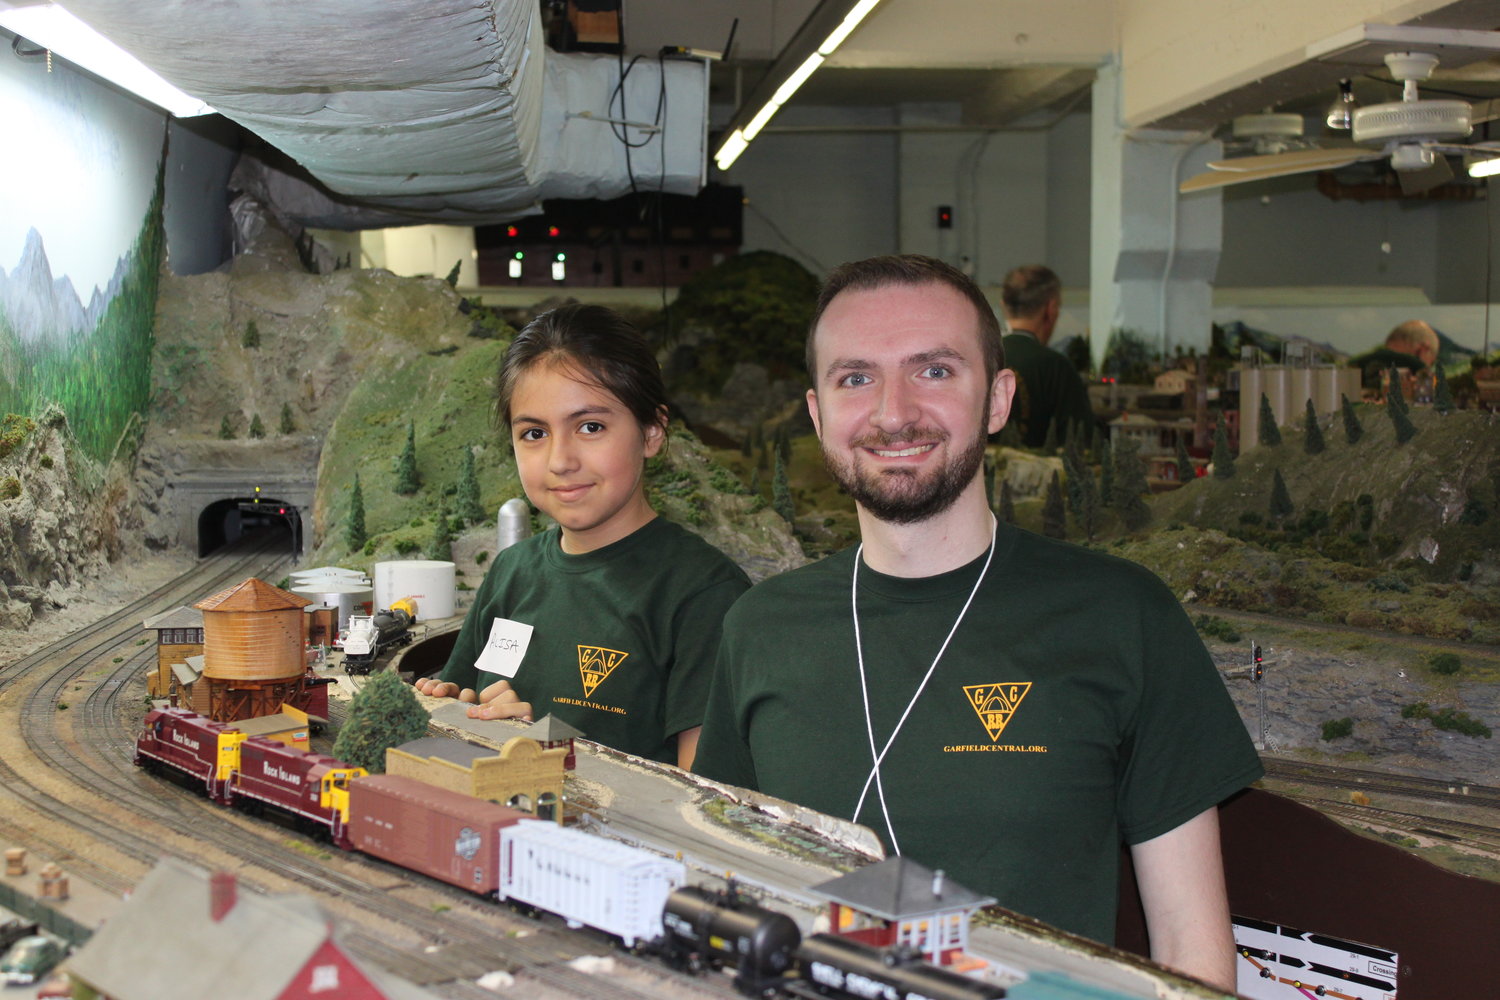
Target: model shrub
441,546
384,714
1130,486
469,506
1353,429
1475,512
257,429
781,492
1281,500
1364,505
1223,458
251,337
1337,729
1445,663
1216,627
1405,429
10,488
405,546
1448,719
1186,471
46,461
226,429
286,426
14,429
1312,439
452,278
1054,511
1269,433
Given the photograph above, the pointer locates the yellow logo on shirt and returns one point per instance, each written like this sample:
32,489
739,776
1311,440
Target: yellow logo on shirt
596,663
995,704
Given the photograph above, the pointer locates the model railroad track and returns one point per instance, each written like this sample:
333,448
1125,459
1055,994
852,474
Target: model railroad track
1310,624
1357,779
1474,836
98,761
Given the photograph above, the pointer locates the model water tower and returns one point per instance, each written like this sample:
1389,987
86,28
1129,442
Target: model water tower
252,650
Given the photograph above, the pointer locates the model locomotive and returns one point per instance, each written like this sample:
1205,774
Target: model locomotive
370,635
501,853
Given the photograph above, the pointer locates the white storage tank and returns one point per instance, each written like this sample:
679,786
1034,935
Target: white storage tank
350,596
338,572
430,581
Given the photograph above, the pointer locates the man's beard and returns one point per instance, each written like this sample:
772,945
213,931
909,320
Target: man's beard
898,495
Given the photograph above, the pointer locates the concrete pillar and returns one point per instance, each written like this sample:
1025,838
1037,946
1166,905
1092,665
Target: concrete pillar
1154,254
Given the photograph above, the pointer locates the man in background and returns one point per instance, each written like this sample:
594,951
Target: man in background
1416,338
1048,388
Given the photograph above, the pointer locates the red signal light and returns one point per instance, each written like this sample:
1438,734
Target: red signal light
553,231
512,232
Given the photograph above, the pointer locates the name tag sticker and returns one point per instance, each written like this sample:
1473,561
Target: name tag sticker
506,646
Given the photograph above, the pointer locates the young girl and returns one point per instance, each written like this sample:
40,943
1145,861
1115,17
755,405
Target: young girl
611,620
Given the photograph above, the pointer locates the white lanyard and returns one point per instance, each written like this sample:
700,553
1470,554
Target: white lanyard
864,690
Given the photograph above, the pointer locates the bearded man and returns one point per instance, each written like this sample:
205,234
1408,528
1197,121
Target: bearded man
993,703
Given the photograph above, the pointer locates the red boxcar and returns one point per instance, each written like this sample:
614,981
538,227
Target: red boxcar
312,786
186,742
452,837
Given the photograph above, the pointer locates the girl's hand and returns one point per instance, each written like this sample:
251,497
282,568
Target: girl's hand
434,688
499,701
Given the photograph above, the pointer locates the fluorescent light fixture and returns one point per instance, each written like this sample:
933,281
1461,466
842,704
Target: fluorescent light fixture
735,142
53,28
849,23
1485,168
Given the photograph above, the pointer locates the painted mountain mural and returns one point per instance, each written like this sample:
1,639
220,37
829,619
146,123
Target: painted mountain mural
95,360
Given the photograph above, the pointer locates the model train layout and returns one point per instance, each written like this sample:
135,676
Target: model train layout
636,896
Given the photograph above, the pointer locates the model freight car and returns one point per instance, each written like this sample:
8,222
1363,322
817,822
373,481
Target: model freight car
370,635
587,880
709,929
452,837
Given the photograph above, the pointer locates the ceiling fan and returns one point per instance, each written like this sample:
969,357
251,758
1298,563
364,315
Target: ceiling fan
1416,135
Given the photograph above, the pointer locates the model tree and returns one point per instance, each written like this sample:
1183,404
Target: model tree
1442,393
1186,471
286,426
1353,429
1049,443
470,508
781,492
452,278
1281,500
1106,469
1129,486
354,524
226,429
251,337
407,480
1270,434
1054,513
441,546
1222,458
1312,440
1075,469
384,714
1395,407
257,429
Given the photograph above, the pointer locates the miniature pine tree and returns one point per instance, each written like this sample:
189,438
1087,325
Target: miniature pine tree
1075,469
286,426
755,481
1312,441
452,278
781,493
1049,443
784,442
257,429
1007,503
1223,458
1442,392
1054,514
441,546
1405,429
1106,470
1395,399
226,429
470,507
1186,471
1270,434
251,337
407,481
354,525
385,713
1129,486
1088,519
1281,500
1353,429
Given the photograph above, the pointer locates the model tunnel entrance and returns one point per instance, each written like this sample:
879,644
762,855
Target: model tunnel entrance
233,519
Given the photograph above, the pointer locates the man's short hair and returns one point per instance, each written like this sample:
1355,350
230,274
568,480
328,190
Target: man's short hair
1028,289
909,269
1411,336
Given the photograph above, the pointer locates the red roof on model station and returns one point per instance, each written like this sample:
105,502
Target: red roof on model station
252,595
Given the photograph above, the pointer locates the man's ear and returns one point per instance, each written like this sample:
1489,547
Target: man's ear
1002,391
812,411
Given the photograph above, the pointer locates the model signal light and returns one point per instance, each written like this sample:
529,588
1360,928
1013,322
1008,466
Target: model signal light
945,217
1258,663
560,267
553,232
512,231
515,264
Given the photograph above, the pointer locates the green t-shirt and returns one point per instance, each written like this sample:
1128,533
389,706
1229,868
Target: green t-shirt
1047,389
1074,708
623,637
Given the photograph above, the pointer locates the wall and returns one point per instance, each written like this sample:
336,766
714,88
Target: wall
201,153
417,251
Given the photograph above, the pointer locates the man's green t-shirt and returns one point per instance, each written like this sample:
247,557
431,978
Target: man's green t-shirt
1074,708
623,638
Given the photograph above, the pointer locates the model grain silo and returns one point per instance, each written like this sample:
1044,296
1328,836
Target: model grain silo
252,650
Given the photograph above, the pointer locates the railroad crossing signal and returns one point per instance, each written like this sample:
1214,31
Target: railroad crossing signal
1257,663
